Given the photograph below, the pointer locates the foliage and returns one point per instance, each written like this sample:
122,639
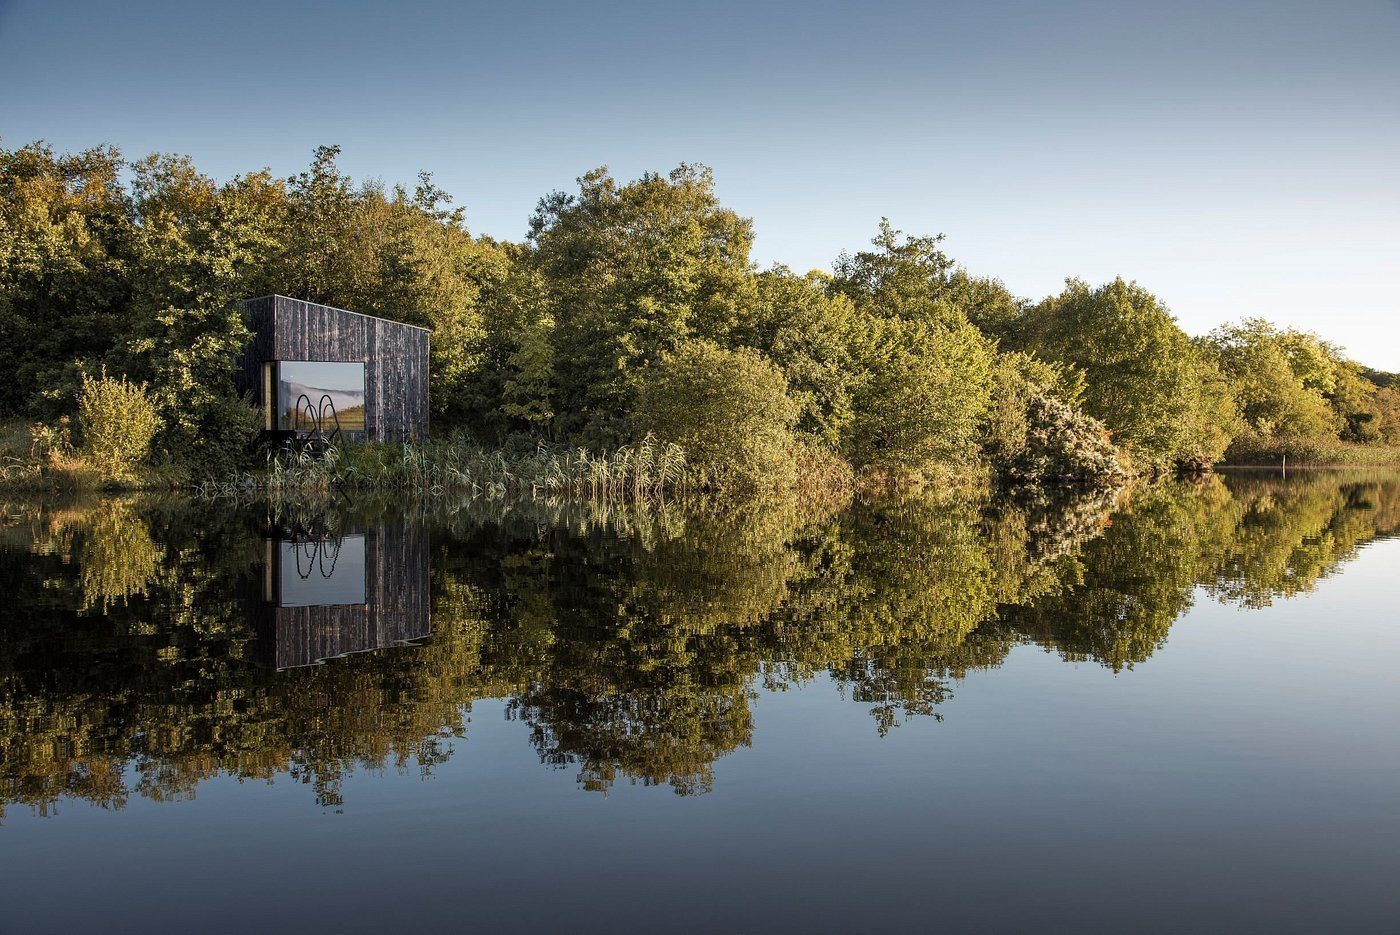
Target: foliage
643,471
1214,420
66,230
118,420
809,333
1142,374
199,246
630,272
909,279
896,363
925,373
1278,377
1387,404
1250,448
924,392
728,410
1033,437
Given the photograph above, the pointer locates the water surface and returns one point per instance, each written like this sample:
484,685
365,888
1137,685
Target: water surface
1172,710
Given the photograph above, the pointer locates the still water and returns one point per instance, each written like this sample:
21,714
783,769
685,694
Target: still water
1170,710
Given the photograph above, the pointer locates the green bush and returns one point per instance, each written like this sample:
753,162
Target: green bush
217,440
924,393
1065,445
1034,437
729,410
118,420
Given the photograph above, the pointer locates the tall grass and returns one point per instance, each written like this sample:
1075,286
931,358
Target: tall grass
644,471
1252,450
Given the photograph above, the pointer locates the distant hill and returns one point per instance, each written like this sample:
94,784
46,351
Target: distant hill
1380,377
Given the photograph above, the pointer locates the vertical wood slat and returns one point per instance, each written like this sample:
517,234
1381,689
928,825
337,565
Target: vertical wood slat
395,356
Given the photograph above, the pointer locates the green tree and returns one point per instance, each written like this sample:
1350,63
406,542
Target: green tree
922,396
987,303
810,334
1387,405
1141,372
1353,401
511,390
198,247
1278,378
729,410
925,373
631,271
65,283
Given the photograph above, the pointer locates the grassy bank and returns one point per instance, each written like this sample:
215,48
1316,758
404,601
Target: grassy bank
43,458
1312,452
644,471
37,459
631,472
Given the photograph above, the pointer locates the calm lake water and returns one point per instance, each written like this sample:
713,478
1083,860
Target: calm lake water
1170,711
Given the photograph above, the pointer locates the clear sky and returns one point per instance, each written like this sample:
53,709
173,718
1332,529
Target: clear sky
1236,157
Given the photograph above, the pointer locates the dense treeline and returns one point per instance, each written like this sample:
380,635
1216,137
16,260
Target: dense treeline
632,308
628,643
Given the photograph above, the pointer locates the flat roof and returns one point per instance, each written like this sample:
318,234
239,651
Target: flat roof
278,295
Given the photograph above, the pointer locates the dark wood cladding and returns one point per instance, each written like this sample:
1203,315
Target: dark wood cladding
395,356
258,314
396,611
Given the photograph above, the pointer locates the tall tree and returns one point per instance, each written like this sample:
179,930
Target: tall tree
199,250
631,271
925,371
1142,376
810,334
1278,378
65,251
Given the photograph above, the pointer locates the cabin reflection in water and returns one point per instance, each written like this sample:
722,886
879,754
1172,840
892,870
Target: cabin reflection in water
331,595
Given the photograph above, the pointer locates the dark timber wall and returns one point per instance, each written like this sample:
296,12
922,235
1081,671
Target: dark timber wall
395,356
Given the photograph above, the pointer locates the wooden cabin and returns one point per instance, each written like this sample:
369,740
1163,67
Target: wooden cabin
316,370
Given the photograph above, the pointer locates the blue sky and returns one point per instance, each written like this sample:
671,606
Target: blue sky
1237,157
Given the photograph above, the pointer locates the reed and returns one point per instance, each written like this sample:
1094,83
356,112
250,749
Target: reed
647,470
1249,450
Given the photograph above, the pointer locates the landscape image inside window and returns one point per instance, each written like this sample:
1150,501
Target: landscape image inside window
312,391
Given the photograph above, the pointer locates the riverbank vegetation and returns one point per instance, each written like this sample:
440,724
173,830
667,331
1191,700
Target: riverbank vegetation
631,314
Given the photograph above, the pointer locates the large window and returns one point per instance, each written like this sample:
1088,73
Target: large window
312,393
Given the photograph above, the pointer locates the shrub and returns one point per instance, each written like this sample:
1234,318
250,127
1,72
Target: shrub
1063,444
1034,437
118,421
923,395
218,439
51,443
729,410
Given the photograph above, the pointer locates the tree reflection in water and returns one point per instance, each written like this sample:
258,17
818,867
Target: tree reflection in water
630,644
